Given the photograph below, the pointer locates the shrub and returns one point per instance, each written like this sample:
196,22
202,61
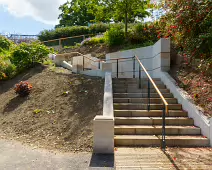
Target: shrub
7,69
143,33
4,43
98,28
63,32
114,36
189,24
94,40
23,88
25,55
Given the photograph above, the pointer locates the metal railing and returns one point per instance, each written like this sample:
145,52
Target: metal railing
150,80
78,54
165,104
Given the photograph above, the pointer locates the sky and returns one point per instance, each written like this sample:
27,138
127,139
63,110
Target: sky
28,16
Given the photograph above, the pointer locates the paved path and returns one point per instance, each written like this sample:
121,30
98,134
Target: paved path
155,159
15,156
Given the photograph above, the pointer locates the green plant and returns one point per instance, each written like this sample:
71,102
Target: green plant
36,111
25,55
4,43
23,88
7,69
98,28
114,36
94,41
142,33
189,24
63,32
48,62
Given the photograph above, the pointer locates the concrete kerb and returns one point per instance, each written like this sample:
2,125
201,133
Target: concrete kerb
104,124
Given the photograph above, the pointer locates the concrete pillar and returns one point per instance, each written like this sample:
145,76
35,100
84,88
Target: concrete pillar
165,54
103,134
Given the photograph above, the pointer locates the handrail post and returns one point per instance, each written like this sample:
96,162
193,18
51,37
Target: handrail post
134,67
164,130
117,68
139,76
99,64
148,95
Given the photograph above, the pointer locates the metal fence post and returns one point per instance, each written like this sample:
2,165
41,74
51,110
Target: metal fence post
148,95
164,130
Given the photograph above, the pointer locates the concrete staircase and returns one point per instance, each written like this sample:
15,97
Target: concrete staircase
135,126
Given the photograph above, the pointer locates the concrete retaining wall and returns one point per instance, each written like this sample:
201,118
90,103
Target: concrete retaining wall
199,119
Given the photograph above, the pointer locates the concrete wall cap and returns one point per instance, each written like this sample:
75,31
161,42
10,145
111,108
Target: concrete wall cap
102,117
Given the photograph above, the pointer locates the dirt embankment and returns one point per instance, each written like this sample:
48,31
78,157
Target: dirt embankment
59,112
193,81
98,51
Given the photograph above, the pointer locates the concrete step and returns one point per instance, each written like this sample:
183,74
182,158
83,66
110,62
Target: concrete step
137,90
141,95
156,130
181,121
150,140
151,113
143,86
133,79
144,100
134,83
138,106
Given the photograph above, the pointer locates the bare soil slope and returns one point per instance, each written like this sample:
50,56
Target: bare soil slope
58,113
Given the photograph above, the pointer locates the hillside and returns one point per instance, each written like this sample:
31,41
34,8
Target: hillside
58,113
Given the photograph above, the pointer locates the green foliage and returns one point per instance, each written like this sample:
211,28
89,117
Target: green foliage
117,9
82,13
94,41
16,58
63,32
36,111
25,55
7,69
75,13
98,28
114,36
142,33
189,24
5,44
122,10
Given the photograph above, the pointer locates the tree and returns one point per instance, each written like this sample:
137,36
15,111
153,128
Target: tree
75,13
122,10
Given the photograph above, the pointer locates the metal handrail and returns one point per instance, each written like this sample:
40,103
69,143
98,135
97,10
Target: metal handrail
153,83
165,109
